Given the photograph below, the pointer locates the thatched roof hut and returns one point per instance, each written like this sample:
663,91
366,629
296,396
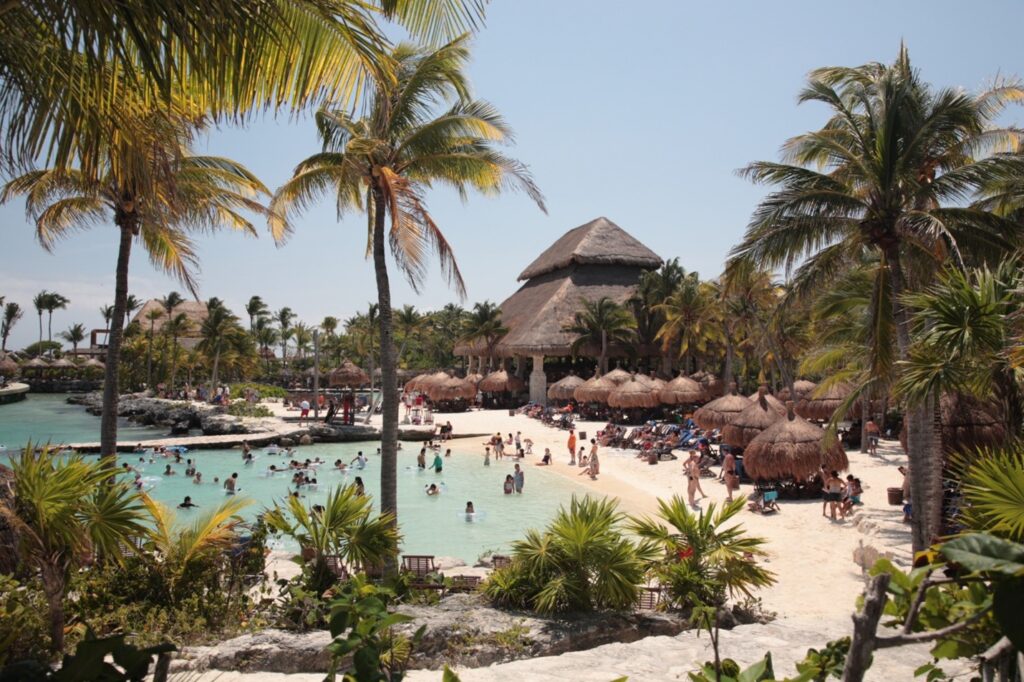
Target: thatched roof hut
8,367
618,376
452,389
348,376
35,364
595,260
822,403
633,393
712,385
721,411
501,382
594,390
683,391
656,383
8,536
802,388
967,424
565,388
754,419
792,447
195,311
93,363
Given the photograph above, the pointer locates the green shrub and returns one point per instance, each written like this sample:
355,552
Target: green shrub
583,561
240,408
264,390
23,629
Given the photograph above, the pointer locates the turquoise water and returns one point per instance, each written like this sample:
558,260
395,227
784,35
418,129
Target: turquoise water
45,417
429,524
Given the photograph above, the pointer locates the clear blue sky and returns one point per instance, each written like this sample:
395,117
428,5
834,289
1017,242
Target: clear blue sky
640,112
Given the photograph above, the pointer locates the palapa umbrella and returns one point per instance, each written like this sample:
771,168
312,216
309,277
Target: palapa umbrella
683,391
967,424
754,419
594,390
501,382
651,381
8,367
792,447
721,411
564,388
36,364
618,376
633,393
803,389
475,379
414,383
93,363
427,382
348,376
452,389
63,363
821,404
712,385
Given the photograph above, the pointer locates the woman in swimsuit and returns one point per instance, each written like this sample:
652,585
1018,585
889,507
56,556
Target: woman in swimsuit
834,494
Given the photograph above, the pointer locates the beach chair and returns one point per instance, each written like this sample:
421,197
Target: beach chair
770,502
649,599
464,583
420,565
500,561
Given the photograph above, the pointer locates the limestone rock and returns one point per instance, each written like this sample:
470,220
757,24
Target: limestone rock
276,651
306,439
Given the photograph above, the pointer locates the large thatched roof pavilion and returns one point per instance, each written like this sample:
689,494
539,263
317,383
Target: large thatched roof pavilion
595,260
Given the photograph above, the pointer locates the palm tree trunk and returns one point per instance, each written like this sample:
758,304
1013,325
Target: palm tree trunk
108,419
924,460
53,588
149,357
213,372
40,331
389,377
174,362
604,352
727,374
49,328
865,414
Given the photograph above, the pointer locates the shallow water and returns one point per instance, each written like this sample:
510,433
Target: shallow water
429,524
43,417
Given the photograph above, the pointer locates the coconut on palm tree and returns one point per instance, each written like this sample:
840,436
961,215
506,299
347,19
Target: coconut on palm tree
888,174
600,323
184,193
385,162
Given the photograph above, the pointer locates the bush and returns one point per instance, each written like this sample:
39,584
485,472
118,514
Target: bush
264,390
23,629
582,562
240,408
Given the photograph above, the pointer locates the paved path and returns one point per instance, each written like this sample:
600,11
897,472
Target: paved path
257,439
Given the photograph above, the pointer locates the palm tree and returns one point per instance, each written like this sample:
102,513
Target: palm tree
168,303
131,304
255,309
12,313
68,511
653,288
40,302
74,335
284,318
390,158
303,336
191,193
54,301
483,323
691,319
329,325
409,323
175,327
107,313
342,527
445,325
887,174
220,331
265,336
702,562
600,323
152,316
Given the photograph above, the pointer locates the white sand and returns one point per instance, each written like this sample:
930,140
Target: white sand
812,557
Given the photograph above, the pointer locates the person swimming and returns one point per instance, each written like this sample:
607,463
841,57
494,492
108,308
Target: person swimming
187,503
432,489
469,508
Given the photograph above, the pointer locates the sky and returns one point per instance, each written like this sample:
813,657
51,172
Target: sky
639,112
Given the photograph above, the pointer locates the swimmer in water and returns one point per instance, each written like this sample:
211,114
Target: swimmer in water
432,489
469,508
187,503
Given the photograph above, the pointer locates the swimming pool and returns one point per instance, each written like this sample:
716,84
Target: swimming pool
44,418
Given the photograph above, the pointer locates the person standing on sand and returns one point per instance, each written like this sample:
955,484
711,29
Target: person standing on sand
729,475
692,470
873,432
572,447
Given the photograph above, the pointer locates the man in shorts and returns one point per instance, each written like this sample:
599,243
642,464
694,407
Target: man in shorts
303,411
572,447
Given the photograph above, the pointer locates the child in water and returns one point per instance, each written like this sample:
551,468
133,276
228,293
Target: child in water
510,485
432,489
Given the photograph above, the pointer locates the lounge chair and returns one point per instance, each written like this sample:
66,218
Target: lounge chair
649,599
464,583
500,561
420,565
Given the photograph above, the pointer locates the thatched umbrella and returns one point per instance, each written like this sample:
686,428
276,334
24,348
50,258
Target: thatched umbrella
8,367
594,390
712,385
754,419
683,391
967,424
792,447
633,393
348,376
651,381
452,389
93,363
35,365
821,404
565,388
63,363
721,411
414,383
803,389
618,376
501,382
8,535
427,382
475,378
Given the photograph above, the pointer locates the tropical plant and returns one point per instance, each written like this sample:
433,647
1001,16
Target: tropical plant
652,290
303,335
74,335
221,333
256,309
152,316
107,313
992,481
67,511
39,302
265,336
389,159
182,193
600,323
583,561
702,562
284,318
341,527
409,324
691,319
175,327
131,304
12,313
53,301
888,175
